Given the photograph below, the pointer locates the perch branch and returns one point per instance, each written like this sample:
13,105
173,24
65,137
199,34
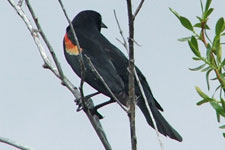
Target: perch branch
13,143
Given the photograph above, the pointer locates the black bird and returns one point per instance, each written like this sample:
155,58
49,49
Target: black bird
112,65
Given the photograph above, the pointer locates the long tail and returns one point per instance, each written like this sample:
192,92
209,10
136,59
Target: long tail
163,126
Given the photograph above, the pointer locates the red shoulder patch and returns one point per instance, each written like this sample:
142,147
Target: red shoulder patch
71,48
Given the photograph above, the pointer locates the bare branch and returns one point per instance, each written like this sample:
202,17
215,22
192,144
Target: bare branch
124,43
131,77
45,39
138,9
32,31
13,143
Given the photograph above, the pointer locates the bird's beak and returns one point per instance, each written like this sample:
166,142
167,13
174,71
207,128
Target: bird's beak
103,25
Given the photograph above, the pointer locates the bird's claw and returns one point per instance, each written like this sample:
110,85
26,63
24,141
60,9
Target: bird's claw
93,110
78,102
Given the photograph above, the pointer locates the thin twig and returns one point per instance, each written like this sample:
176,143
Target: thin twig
48,64
138,9
32,31
105,84
124,43
13,143
135,42
149,109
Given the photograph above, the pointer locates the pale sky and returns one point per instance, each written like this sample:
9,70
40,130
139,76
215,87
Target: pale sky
37,111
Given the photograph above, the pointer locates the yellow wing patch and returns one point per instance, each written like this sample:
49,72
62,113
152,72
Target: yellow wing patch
71,48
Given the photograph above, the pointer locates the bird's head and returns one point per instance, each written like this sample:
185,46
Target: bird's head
89,20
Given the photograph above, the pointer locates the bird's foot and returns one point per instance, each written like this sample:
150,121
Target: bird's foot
93,110
78,101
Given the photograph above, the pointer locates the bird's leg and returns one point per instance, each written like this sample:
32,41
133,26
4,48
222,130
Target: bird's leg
95,109
103,104
79,103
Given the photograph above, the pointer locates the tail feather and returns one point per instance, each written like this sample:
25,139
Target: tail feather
163,126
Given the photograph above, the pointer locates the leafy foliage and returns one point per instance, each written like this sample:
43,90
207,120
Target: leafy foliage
213,61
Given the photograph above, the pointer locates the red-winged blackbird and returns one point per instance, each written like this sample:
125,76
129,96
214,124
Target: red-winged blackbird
112,65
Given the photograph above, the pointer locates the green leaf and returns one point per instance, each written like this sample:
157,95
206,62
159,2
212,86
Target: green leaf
223,74
184,39
223,34
197,68
206,69
218,116
203,95
223,63
186,23
208,52
175,13
207,13
218,108
223,79
207,78
217,49
224,135
203,101
196,58
194,50
199,25
216,43
218,87
214,78
200,19
193,44
223,103
219,26
207,5
219,53
201,5
222,127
